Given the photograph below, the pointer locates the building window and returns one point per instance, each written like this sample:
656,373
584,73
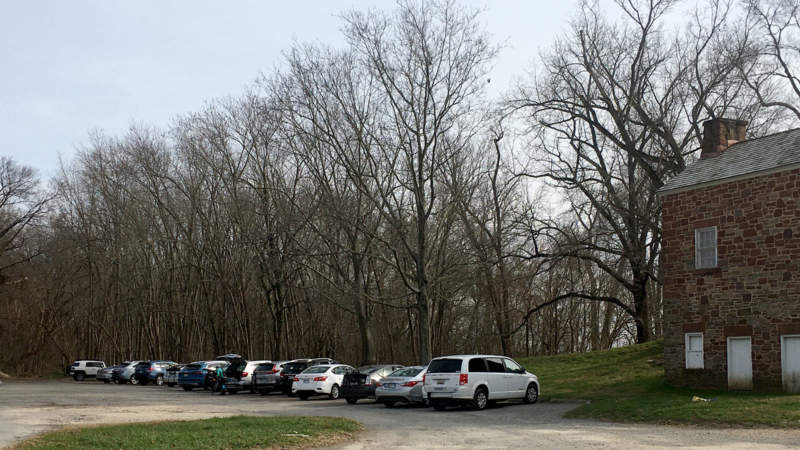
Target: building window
694,350
705,248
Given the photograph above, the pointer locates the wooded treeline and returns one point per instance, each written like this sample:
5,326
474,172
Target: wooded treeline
374,203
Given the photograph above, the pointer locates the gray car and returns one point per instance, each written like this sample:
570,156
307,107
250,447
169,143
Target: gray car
403,385
106,375
124,373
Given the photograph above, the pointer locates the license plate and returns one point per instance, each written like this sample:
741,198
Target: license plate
306,381
390,385
439,381
438,388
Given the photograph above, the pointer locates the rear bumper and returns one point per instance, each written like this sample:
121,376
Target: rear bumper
399,395
462,393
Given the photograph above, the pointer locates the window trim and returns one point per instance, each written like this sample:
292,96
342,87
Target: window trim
686,337
697,249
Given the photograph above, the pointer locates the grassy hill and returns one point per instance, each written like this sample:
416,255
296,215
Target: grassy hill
627,385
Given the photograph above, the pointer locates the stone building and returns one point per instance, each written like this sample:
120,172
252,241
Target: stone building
731,263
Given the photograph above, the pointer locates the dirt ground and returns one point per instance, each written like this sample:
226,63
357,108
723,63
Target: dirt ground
30,407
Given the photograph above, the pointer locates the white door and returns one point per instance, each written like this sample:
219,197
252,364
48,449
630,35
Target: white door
740,363
790,363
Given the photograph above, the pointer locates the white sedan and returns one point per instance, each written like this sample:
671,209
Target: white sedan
320,380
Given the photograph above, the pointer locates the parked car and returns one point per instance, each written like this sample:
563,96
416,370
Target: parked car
239,376
320,380
171,378
197,374
477,380
283,379
151,372
362,383
403,385
268,377
106,374
83,368
124,373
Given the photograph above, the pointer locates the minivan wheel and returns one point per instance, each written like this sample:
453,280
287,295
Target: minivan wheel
480,399
334,392
532,394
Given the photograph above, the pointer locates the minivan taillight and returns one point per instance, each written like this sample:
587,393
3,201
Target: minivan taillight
463,379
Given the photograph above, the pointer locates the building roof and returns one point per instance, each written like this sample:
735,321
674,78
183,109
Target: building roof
776,152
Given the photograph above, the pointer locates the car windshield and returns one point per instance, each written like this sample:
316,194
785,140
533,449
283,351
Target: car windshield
406,372
317,369
445,366
143,364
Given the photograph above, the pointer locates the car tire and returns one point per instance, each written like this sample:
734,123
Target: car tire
388,404
438,405
302,396
351,400
133,380
531,394
187,388
481,399
334,392
159,380
79,376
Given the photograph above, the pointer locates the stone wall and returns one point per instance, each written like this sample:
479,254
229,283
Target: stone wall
753,291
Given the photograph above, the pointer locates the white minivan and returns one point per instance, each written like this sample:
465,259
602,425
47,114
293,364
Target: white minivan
478,380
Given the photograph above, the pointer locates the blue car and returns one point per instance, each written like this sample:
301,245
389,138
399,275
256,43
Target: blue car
197,374
152,372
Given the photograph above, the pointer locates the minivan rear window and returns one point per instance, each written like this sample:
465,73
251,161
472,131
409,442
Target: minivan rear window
445,366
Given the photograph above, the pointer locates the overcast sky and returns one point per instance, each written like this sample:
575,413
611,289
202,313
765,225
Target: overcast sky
69,67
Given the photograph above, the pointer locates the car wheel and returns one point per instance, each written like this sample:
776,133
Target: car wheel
389,404
303,396
480,399
133,380
438,405
187,388
334,392
79,376
532,394
159,380
352,401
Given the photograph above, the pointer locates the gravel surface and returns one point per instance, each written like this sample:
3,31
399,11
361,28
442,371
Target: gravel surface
31,407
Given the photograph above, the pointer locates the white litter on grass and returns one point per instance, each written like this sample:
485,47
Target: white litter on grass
295,435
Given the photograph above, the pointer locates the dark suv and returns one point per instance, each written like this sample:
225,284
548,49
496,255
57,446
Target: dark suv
152,371
288,370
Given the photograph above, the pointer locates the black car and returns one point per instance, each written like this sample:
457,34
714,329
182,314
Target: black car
362,384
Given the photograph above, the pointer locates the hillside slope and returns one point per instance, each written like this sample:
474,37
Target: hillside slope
627,385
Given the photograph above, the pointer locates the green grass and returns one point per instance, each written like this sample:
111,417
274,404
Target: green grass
628,385
221,433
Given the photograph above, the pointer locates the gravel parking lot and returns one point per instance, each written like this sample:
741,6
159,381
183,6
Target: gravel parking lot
30,407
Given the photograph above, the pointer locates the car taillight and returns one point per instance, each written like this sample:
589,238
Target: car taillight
244,374
295,379
423,379
411,383
463,379
150,369
378,384
275,371
320,378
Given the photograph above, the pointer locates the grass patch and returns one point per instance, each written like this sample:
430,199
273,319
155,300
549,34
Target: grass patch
218,433
628,385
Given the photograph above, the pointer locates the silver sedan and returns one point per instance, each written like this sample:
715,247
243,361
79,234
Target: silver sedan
402,385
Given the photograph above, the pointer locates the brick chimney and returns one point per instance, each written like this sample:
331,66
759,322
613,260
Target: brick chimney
719,134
